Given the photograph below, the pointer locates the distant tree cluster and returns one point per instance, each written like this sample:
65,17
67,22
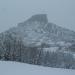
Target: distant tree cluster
13,49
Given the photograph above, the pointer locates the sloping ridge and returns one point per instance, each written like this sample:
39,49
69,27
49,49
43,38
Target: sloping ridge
37,28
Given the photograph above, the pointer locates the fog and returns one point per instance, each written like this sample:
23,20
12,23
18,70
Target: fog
60,12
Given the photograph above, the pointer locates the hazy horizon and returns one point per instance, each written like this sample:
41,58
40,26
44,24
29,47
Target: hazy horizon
60,12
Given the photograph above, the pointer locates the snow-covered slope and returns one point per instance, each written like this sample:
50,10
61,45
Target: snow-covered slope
14,68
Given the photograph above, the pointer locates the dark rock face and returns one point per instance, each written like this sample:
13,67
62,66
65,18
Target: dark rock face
39,18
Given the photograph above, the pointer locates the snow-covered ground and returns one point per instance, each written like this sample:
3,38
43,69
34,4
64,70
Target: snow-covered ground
14,68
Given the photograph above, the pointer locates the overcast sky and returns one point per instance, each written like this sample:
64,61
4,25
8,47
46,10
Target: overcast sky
60,12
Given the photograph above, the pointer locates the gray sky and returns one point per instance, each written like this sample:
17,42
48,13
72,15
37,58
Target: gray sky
60,12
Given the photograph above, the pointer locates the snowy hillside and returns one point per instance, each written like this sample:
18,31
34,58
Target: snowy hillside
14,68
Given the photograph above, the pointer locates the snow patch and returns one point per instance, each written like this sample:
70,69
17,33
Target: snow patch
14,68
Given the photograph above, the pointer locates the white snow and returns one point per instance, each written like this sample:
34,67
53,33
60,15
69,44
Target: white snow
63,43
14,68
51,49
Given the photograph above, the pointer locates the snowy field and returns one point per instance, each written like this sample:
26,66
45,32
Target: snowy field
14,68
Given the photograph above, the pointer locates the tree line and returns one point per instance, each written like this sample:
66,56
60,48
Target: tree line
13,49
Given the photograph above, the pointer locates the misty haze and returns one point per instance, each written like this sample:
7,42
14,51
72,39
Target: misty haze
37,33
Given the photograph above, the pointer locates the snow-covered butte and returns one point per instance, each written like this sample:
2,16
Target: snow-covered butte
18,42
37,30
